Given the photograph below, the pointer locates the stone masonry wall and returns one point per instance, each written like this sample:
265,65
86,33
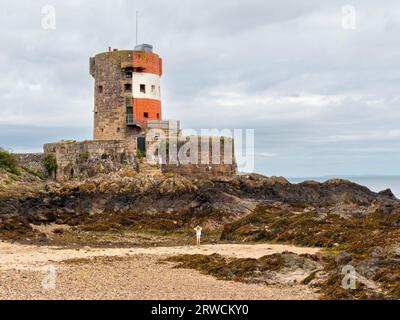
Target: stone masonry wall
33,162
110,96
193,169
211,158
88,158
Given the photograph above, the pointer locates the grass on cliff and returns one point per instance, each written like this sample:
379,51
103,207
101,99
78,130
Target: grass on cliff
9,162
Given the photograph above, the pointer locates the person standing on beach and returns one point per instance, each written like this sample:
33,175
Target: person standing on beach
198,230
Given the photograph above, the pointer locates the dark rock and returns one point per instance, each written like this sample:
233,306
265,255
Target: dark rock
207,199
387,193
343,258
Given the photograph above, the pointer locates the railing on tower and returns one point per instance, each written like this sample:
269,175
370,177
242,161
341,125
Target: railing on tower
132,121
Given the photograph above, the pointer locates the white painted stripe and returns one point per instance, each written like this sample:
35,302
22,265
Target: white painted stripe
151,83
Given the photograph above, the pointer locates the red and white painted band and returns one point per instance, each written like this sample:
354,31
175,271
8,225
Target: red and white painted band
146,86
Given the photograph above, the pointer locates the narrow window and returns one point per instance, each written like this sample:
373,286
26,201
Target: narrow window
129,102
100,89
158,116
146,114
143,88
129,116
128,75
153,89
128,87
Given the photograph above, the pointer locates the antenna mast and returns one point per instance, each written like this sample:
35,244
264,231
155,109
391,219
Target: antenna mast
137,26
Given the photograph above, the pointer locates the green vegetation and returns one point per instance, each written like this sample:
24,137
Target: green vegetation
33,172
14,177
226,140
140,154
85,155
50,162
9,162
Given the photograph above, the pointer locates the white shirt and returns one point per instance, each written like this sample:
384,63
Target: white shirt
198,231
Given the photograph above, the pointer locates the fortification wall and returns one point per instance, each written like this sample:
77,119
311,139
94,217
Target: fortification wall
201,155
193,169
196,155
89,158
33,162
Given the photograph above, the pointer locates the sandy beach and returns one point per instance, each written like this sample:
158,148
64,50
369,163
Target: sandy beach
131,273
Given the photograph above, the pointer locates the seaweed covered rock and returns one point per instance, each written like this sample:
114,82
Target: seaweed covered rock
214,202
286,268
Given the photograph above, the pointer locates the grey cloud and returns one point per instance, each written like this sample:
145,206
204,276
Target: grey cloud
314,93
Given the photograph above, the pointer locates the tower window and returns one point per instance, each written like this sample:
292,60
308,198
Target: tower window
158,116
129,102
100,89
153,89
146,114
129,115
128,75
128,87
143,88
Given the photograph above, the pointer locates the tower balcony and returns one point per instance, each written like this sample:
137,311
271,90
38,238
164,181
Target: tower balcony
132,121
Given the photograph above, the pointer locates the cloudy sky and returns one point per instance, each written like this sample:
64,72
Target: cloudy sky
323,97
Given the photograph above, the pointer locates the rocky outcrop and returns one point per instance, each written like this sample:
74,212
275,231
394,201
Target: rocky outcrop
286,268
338,215
219,199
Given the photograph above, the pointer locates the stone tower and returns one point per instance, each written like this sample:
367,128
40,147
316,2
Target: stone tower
127,92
